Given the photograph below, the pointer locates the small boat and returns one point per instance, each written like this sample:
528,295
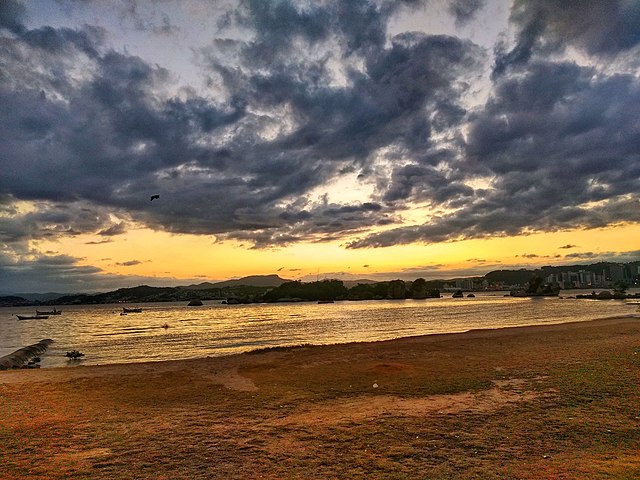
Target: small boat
74,354
50,312
131,310
32,317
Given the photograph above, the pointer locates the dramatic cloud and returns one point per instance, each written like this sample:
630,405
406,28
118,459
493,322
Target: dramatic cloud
558,141
598,27
465,10
52,220
107,135
280,101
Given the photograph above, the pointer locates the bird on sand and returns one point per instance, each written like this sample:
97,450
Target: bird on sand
154,197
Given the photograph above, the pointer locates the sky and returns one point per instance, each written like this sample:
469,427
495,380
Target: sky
353,139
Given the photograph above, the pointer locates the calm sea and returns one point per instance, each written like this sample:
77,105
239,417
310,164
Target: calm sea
105,336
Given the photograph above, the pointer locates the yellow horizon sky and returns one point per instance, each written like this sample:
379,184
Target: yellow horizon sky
144,252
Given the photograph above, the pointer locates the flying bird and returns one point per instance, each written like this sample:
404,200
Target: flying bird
153,197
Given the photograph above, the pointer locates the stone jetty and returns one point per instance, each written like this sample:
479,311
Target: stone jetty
22,356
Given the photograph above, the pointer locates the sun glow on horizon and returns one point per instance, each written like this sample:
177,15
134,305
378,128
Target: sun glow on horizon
144,252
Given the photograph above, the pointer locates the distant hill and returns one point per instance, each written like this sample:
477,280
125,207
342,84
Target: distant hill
13,301
250,281
40,297
511,277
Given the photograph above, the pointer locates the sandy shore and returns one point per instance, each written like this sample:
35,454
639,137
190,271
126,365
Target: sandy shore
556,401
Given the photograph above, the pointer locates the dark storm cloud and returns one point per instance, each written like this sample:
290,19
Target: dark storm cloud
105,135
596,27
560,144
383,106
425,182
51,221
311,92
319,222
359,25
12,15
464,10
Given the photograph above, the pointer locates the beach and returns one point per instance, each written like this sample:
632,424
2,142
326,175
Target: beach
552,401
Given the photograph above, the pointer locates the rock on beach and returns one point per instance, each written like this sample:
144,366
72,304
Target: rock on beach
22,356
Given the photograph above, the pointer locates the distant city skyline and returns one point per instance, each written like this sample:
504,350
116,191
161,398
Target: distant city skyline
356,139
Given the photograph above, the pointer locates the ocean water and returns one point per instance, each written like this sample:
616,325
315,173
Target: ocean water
105,336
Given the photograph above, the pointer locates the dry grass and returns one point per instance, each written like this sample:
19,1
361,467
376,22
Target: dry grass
547,402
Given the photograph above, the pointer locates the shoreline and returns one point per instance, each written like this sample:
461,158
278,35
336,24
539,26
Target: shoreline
425,339
206,332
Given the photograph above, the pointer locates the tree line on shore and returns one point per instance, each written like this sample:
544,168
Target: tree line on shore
271,288
324,290
329,290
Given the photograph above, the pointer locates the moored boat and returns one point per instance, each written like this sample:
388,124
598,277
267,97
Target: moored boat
32,317
50,312
131,310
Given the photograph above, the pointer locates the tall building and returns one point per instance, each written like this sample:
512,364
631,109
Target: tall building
617,273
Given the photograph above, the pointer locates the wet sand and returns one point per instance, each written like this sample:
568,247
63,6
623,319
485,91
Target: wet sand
555,401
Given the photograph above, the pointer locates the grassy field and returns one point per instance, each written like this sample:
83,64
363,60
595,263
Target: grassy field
556,402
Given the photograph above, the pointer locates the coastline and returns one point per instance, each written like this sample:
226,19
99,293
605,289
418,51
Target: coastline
510,403
223,330
422,339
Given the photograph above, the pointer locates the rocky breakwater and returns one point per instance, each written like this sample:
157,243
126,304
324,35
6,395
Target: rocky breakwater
21,357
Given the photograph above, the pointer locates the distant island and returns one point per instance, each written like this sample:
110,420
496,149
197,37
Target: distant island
273,288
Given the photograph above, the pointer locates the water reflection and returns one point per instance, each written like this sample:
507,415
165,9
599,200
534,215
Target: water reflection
105,336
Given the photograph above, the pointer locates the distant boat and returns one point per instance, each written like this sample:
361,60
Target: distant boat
195,303
50,312
458,294
32,317
131,310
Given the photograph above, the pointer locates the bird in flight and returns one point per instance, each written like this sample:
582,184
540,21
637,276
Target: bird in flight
153,197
